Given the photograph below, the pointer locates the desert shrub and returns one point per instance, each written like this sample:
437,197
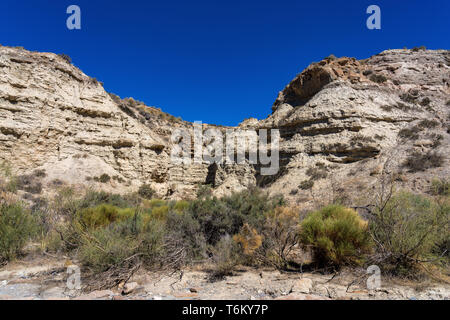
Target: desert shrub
30,183
146,192
410,133
317,173
218,217
406,229
103,215
408,97
180,206
204,191
104,178
378,78
417,49
215,218
183,234
153,203
440,187
280,237
425,102
160,213
336,235
121,245
65,57
425,123
94,198
306,184
248,239
107,247
17,226
360,140
417,161
225,256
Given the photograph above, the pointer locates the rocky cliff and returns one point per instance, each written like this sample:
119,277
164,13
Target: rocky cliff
343,123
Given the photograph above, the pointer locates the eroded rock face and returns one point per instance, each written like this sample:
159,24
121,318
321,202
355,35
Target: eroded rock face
343,122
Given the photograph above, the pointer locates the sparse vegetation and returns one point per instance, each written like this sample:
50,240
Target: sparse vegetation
17,226
306,184
440,187
337,236
378,78
317,173
418,161
417,49
146,191
65,57
406,229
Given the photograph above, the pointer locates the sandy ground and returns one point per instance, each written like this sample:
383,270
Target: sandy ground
45,278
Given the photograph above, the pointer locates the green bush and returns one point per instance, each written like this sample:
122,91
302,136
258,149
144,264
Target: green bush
225,255
103,215
108,247
17,226
219,217
183,233
406,230
122,244
440,187
337,236
146,192
94,198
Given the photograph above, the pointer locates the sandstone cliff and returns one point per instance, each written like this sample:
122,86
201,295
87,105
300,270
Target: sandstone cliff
343,123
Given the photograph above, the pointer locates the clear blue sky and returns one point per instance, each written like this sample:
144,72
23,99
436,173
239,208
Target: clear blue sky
216,61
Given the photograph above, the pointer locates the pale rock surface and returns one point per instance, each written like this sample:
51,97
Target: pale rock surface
335,119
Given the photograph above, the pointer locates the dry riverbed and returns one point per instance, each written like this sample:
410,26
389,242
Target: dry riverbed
45,278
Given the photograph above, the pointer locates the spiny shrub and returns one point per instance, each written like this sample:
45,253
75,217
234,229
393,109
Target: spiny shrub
378,78
337,236
65,57
146,192
418,161
225,257
122,244
204,191
17,226
440,187
94,198
248,239
280,236
183,233
103,215
406,229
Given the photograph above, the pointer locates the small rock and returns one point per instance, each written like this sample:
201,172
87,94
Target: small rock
94,295
301,296
193,290
129,287
303,285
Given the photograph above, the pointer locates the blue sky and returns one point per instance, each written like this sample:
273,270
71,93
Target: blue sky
216,61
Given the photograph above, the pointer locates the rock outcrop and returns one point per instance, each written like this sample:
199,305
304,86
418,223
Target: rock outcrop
342,122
